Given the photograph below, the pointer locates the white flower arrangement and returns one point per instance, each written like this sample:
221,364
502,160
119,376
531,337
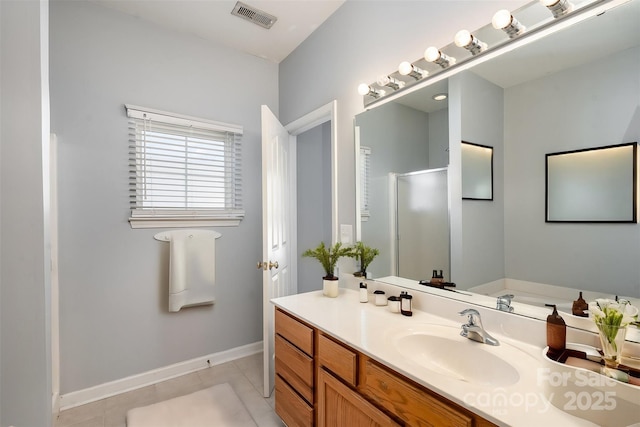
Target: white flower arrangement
610,317
615,313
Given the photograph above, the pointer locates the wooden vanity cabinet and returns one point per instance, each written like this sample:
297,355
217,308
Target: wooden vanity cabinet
346,388
295,371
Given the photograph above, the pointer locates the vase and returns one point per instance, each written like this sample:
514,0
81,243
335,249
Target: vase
612,340
330,288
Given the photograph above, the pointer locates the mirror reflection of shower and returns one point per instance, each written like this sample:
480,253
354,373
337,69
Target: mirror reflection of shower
419,223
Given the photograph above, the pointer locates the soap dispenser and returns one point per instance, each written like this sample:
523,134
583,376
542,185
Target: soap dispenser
556,333
579,306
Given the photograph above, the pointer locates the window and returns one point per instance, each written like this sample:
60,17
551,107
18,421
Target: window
365,165
183,171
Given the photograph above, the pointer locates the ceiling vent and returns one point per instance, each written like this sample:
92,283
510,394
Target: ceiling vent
254,15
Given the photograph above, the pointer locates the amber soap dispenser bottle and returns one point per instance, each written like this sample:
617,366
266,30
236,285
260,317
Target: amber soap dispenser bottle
556,333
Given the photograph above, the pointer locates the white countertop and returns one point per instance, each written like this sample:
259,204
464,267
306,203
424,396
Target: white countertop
374,330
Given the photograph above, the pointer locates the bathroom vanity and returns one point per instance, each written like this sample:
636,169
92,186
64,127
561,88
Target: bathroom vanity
343,363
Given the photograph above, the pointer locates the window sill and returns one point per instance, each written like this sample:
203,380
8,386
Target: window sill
181,222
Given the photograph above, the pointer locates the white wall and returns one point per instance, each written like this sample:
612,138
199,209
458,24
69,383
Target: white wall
360,41
114,321
596,104
25,300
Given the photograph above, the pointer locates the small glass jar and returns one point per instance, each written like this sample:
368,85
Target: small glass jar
394,304
405,304
381,299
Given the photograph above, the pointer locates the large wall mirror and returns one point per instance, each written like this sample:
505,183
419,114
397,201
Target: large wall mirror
570,90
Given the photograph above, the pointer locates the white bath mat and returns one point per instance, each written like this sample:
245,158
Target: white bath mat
218,406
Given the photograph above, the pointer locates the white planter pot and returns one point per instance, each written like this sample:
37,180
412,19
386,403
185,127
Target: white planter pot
330,288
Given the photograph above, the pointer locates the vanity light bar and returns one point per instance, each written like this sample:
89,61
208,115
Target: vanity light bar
502,20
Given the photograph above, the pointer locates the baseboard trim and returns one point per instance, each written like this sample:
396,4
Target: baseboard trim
102,391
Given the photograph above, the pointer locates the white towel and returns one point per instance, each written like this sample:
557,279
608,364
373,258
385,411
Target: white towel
191,267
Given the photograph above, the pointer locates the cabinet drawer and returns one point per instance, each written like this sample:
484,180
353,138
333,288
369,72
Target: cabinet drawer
295,367
295,332
414,406
293,410
338,359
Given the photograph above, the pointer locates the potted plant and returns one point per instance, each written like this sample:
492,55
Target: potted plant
328,257
364,254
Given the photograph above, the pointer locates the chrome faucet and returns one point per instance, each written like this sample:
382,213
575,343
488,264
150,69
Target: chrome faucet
504,303
473,328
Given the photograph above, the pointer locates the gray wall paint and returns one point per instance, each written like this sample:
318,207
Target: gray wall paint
25,299
113,280
313,152
360,41
483,221
592,105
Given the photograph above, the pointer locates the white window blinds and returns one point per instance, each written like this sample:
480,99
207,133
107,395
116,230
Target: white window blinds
365,165
183,171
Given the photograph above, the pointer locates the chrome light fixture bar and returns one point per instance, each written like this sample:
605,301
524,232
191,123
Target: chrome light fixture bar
504,20
468,41
518,34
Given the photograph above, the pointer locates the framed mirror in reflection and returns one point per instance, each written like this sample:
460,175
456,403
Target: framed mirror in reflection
592,185
568,91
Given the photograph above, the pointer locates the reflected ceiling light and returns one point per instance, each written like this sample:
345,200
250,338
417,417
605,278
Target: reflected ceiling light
365,89
439,96
504,20
467,40
408,69
389,81
433,54
558,7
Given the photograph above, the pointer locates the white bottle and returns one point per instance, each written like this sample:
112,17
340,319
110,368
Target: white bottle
364,295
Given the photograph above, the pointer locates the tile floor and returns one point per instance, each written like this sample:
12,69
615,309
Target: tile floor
244,375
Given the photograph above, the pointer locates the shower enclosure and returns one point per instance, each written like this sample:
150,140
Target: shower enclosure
420,224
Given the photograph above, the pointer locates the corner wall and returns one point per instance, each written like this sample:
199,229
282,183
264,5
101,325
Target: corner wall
114,321
25,299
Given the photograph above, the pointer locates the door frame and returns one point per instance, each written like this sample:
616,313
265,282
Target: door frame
323,114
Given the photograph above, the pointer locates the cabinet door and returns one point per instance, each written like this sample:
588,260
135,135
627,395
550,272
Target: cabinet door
340,406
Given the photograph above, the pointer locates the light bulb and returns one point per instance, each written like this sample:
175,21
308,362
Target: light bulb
549,2
466,40
440,96
363,89
501,19
558,7
463,38
405,68
408,69
504,20
431,54
385,80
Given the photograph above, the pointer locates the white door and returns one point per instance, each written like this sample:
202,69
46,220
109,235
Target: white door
276,230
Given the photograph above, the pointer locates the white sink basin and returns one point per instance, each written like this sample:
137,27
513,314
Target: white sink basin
441,349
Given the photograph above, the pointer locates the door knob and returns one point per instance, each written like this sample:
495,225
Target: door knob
264,265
